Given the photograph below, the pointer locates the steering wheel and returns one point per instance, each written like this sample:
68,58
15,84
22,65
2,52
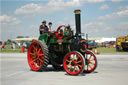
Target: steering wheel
59,34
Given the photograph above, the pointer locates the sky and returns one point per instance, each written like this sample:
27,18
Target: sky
99,18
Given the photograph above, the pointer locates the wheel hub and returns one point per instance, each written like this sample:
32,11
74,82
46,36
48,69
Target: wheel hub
73,63
35,55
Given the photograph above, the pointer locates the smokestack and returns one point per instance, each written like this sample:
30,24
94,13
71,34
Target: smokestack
78,23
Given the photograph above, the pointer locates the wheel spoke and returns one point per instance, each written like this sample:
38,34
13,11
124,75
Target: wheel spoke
68,61
74,69
72,58
77,57
40,54
91,60
38,63
92,63
33,57
33,61
70,67
86,56
78,61
36,49
41,60
39,51
90,57
80,66
77,68
32,53
89,66
33,47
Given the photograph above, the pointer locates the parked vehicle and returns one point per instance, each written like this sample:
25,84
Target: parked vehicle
92,44
122,43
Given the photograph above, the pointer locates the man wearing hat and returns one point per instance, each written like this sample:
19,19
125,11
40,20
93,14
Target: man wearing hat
43,27
44,32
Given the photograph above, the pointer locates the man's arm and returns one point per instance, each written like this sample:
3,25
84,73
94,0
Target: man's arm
41,29
48,29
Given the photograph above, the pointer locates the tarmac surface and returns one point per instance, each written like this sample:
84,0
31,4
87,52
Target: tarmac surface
112,70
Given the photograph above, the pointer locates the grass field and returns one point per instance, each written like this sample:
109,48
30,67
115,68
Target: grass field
109,50
99,49
11,50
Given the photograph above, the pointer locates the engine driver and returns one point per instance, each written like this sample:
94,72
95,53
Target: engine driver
43,28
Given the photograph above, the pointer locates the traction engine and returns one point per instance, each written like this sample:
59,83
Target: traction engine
63,50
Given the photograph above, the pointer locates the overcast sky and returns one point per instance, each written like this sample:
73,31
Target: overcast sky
99,18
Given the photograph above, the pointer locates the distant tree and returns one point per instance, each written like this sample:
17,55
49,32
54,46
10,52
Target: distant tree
20,37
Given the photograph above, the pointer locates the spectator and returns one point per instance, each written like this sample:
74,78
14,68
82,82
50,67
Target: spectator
24,45
19,44
13,46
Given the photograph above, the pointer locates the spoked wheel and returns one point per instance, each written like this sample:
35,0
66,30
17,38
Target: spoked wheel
74,63
91,62
38,56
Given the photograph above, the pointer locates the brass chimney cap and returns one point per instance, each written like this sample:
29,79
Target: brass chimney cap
77,11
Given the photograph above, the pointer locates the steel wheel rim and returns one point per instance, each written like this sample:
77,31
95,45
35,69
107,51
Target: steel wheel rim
90,61
35,56
78,63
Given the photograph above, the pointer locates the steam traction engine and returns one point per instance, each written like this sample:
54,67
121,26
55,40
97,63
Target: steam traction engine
62,49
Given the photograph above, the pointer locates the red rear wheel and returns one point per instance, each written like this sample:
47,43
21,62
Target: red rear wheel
91,61
37,56
74,63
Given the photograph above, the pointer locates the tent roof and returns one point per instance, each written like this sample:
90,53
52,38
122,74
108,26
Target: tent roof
23,39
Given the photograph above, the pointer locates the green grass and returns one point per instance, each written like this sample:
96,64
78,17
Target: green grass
108,50
10,50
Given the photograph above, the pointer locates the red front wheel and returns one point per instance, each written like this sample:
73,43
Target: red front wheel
38,56
74,63
91,62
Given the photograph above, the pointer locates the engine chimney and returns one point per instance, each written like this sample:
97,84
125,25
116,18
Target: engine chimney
78,23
